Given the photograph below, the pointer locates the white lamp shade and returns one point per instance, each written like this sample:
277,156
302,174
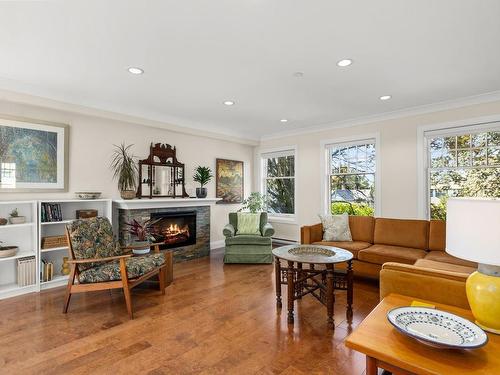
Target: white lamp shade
473,229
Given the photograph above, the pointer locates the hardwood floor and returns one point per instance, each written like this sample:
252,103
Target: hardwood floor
213,319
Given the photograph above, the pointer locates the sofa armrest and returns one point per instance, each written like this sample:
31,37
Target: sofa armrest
311,233
267,230
228,231
424,283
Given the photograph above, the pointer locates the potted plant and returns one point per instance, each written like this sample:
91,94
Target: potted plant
203,175
256,202
125,170
7,251
145,235
15,218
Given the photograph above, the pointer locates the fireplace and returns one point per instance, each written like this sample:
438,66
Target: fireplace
174,229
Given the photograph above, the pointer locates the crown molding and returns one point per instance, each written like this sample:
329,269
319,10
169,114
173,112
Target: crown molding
406,112
197,130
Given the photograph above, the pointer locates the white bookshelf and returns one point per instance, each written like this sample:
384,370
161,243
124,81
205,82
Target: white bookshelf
57,228
25,237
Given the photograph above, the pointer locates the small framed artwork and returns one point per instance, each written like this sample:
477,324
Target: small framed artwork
33,156
229,181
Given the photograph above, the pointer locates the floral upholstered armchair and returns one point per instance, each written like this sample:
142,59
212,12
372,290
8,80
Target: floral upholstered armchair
98,262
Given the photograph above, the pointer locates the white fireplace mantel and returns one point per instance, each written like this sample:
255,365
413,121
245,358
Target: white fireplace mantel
139,204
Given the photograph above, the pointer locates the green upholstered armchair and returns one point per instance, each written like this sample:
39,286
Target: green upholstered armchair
248,248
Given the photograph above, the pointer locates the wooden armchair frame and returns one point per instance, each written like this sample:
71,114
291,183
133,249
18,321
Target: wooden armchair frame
125,283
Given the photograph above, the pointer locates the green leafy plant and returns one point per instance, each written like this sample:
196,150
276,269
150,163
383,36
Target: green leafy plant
14,213
203,175
256,202
124,167
357,209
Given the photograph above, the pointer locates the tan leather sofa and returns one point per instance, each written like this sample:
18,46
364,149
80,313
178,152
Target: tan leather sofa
380,240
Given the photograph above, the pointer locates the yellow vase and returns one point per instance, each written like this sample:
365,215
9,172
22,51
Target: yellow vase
483,293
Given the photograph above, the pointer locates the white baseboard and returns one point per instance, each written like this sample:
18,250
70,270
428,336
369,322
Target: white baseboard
284,241
216,244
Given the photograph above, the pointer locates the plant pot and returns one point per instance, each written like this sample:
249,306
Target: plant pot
3,221
201,192
140,247
17,219
127,194
8,251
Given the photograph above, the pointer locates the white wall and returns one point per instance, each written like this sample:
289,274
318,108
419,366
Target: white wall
397,153
91,142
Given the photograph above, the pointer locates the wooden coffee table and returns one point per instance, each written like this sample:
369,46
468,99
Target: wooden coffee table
389,349
319,282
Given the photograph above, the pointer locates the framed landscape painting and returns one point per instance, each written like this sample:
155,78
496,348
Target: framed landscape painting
33,156
229,181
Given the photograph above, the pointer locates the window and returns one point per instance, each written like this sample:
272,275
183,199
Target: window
351,174
461,163
278,182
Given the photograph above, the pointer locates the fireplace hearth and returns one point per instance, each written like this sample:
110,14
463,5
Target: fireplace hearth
174,229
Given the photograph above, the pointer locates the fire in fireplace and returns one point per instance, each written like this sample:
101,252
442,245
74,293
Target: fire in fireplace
175,229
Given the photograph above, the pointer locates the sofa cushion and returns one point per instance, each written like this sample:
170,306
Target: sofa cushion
248,223
442,266
380,254
110,271
352,246
441,256
437,235
362,228
245,239
336,227
400,232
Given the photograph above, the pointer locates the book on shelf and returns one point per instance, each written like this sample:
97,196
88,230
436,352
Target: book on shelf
51,212
46,270
26,271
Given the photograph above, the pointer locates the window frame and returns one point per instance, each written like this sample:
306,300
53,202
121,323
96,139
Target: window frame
265,154
425,133
325,164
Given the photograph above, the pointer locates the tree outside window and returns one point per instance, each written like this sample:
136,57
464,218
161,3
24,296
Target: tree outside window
351,177
279,182
462,165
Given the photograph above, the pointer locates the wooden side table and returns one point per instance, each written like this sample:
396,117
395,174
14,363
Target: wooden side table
318,282
391,350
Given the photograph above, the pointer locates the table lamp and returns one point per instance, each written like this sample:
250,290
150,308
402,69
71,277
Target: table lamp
473,233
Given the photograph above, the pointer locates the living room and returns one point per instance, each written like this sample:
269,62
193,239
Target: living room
249,187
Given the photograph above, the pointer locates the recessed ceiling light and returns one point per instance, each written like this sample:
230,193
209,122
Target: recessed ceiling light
135,70
385,97
344,62
228,102
298,74
284,120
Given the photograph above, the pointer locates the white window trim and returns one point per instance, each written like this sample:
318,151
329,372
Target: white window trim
323,160
280,218
472,124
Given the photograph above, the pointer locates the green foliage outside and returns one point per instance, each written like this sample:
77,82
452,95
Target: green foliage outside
357,209
256,202
280,185
438,210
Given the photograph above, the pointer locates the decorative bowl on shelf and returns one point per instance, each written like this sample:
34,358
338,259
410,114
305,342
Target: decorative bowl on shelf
88,194
437,328
8,251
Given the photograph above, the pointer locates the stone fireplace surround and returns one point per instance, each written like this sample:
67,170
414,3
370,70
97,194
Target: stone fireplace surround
141,210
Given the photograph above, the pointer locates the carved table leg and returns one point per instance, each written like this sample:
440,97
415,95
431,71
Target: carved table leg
277,271
329,294
299,284
350,290
290,291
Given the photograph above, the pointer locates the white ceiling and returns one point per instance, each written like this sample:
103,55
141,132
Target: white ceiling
198,53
